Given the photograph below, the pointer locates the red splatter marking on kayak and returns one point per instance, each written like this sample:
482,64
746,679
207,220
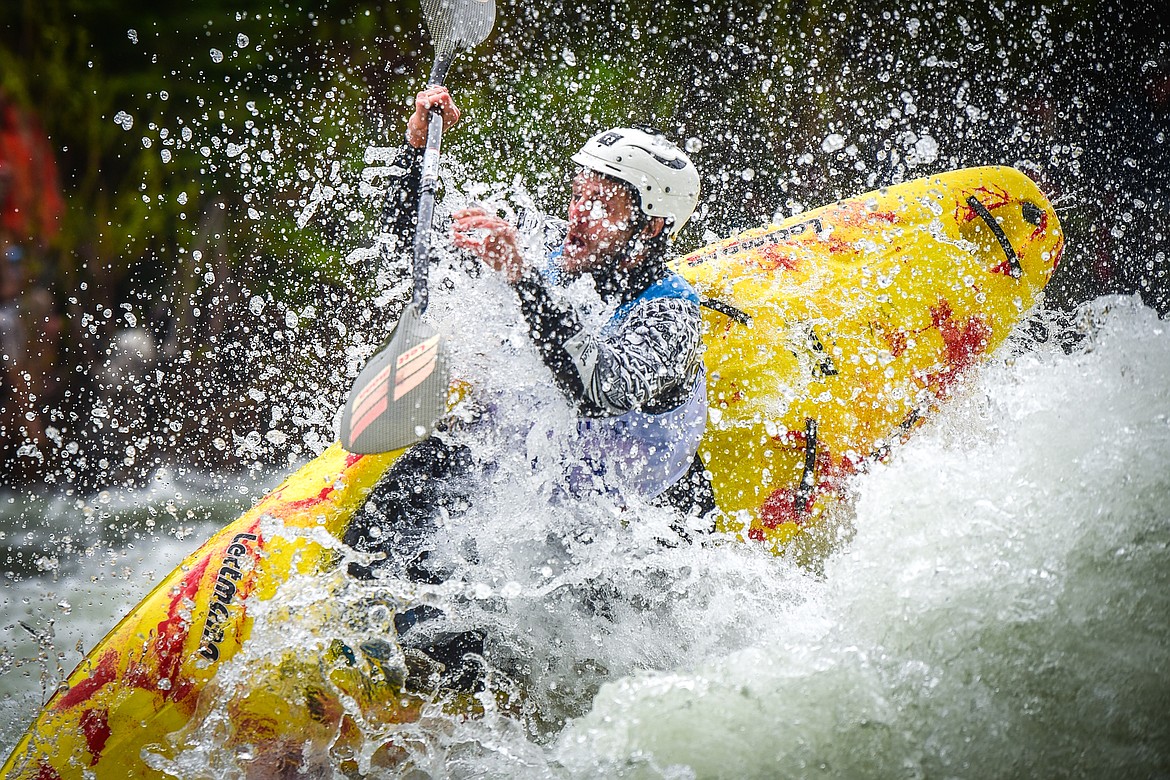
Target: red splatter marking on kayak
46,772
95,727
991,199
897,341
1042,228
326,491
858,213
1057,253
964,343
305,503
274,498
1057,249
837,246
773,258
167,646
780,507
104,673
1004,268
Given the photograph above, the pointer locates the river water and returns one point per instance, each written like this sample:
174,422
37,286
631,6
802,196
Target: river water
1000,606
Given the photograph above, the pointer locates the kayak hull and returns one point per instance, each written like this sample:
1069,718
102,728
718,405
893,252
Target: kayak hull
861,316
837,332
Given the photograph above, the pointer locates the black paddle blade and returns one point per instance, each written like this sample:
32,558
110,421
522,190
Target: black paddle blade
401,392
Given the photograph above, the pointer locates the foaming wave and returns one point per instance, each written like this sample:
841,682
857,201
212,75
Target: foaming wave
1002,611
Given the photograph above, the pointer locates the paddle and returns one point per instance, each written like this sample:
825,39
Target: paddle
402,391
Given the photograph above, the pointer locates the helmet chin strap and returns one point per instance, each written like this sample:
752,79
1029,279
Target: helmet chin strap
634,244
620,277
637,243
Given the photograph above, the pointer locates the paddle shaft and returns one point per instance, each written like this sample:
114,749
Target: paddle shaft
427,186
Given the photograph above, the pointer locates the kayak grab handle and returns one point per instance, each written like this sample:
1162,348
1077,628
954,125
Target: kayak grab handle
727,310
808,476
1000,236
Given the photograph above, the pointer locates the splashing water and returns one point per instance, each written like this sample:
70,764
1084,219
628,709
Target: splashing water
999,610
1002,611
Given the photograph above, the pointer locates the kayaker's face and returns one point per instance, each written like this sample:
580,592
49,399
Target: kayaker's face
600,223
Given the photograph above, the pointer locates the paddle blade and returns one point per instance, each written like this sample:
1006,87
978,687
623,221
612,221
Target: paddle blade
401,392
458,24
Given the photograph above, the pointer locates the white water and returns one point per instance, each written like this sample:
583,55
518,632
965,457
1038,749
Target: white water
1003,609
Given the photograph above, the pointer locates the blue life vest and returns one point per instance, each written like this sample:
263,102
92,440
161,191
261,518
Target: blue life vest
638,451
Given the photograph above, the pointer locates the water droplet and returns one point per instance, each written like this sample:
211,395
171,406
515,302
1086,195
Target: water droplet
132,34
123,120
569,57
216,56
926,148
834,142
241,41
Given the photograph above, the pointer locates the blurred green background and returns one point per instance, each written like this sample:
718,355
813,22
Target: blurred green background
210,154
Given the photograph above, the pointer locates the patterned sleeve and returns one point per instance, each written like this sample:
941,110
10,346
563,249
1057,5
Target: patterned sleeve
648,361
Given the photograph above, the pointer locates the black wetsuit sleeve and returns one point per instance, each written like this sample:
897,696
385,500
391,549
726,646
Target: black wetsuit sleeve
551,324
400,208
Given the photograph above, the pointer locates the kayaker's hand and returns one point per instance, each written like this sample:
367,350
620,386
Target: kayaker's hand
416,126
491,239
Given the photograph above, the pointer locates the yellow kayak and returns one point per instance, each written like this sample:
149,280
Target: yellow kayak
860,316
829,337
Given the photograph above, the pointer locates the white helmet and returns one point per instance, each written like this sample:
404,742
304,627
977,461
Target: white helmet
665,178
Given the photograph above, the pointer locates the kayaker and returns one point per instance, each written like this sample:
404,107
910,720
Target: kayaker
637,384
